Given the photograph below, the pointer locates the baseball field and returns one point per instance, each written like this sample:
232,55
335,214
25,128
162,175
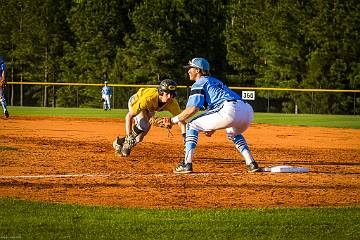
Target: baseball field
59,178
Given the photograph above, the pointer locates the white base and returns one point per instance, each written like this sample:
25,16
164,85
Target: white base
286,169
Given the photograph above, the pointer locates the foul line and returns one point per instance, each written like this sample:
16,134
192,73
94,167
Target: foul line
117,175
124,175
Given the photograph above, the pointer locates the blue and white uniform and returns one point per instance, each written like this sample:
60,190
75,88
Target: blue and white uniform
224,110
2,95
106,92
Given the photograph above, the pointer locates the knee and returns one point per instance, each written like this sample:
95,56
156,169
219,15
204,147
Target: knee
143,125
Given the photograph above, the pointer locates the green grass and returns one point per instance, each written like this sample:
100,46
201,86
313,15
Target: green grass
34,220
336,121
319,120
67,112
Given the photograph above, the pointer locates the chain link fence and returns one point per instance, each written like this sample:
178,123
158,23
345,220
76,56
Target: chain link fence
274,100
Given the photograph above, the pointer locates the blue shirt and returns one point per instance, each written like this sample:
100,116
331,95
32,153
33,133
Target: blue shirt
210,93
106,90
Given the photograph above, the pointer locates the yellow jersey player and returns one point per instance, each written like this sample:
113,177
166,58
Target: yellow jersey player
142,106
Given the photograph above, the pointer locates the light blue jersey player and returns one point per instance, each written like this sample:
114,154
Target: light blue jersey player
106,94
2,86
224,109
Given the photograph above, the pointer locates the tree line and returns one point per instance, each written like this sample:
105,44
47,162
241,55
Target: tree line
263,43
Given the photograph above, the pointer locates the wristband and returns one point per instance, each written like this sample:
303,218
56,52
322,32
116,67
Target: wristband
175,119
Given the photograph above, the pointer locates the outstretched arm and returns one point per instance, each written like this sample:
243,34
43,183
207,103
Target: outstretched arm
128,122
186,114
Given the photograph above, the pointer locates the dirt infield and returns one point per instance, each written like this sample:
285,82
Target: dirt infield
71,160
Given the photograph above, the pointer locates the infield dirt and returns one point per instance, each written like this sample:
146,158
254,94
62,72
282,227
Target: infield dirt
71,160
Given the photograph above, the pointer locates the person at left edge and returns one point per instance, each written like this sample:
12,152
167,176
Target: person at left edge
106,92
2,86
142,106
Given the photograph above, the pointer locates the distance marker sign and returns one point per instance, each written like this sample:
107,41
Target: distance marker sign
248,95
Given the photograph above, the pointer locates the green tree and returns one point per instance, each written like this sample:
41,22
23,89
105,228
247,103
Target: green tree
332,31
168,34
98,28
36,31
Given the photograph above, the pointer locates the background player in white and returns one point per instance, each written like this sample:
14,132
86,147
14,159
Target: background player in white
106,92
224,110
2,86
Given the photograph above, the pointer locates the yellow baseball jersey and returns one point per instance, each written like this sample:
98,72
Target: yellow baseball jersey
148,99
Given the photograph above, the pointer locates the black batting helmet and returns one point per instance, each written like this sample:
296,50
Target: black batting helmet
167,86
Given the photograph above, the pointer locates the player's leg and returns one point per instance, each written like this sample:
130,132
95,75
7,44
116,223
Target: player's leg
140,128
141,125
104,101
119,142
3,102
108,102
244,116
205,122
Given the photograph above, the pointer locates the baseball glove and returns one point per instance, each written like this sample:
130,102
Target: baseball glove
161,122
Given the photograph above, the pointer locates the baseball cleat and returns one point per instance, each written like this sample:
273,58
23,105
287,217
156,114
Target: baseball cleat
117,145
125,151
253,167
183,168
6,113
129,143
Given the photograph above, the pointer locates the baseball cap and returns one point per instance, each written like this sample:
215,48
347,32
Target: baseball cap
106,82
201,63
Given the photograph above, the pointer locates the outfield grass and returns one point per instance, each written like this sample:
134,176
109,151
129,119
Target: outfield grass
34,220
67,112
318,120
336,121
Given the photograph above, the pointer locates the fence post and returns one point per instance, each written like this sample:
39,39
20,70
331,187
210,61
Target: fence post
312,100
12,86
12,95
268,102
53,92
113,97
77,96
354,103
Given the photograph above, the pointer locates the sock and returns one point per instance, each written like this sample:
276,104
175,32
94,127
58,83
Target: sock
243,148
136,131
192,137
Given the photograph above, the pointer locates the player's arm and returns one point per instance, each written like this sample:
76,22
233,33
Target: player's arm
186,114
128,121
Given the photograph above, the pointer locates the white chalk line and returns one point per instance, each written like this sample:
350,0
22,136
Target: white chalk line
117,175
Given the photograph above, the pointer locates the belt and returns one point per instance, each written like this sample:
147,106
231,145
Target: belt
234,100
